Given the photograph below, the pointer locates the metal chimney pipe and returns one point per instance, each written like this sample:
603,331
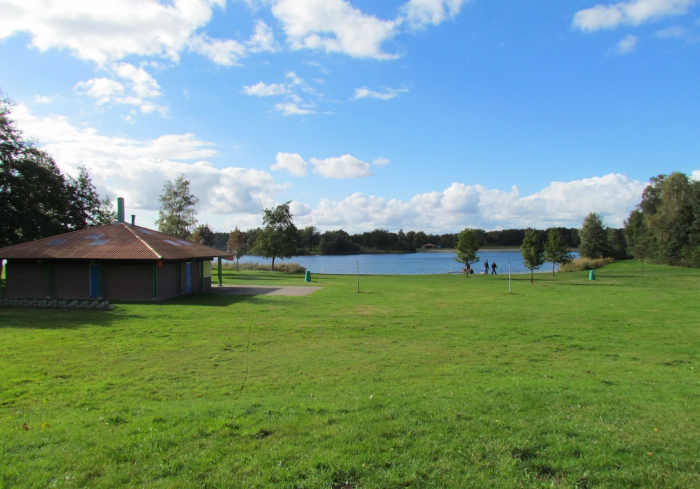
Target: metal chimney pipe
133,219
120,209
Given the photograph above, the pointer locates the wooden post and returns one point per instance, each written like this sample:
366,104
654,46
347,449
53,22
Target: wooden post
219,259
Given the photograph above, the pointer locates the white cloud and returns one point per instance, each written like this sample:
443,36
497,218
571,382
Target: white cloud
294,104
387,94
634,12
459,206
224,52
420,13
381,161
262,39
138,169
673,32
262,89
344,167
293,108
626,45
292,162
138,86
359,213
107,31
44,99
333,26
103,90
695,175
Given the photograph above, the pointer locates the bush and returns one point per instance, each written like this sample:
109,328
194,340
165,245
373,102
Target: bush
279,267
581,264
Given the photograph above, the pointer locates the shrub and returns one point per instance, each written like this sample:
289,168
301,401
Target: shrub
279,267
581,264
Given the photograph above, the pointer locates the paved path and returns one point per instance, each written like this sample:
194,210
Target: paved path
296,290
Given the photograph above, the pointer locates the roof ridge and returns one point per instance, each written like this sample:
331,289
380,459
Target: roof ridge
141,239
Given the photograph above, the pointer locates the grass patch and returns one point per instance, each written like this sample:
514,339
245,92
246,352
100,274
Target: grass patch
415,381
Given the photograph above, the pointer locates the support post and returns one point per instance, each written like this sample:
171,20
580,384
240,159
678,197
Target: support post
220,283
48,279
155,279
102,290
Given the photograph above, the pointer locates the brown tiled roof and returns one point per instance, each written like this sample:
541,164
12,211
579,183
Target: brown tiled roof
111,242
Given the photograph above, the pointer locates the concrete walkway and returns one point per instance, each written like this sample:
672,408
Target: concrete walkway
295,290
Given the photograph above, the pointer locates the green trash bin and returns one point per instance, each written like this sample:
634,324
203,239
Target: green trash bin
307,276
591,275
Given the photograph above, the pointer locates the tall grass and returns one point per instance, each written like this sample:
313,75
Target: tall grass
282,267
584,264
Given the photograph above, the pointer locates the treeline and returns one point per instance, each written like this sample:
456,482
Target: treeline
309,240
36,200
665,227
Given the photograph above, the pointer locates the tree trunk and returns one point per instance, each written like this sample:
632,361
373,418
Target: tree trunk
237,264
273,263
553,265
532,275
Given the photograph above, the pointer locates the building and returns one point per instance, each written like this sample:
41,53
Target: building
114,262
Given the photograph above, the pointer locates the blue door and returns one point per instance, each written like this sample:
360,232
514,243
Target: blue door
94,281
188,277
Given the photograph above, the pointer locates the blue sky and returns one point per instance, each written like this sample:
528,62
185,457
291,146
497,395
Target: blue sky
429,115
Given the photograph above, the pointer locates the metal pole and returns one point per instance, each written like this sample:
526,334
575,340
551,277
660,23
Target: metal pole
220,272
358,275
510,290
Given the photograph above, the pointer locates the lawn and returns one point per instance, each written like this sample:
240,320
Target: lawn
416,381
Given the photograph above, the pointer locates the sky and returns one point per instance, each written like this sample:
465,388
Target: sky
430,115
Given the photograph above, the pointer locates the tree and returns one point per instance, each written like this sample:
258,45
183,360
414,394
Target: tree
237,244
84,206
278,238
467,246
672,221
555,249
617,243
177,215
419,239
309,236
594,238
106,214
337,243
532,251
203,234
33,195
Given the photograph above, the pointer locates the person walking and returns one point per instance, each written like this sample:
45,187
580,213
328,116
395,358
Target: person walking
493,268
486,267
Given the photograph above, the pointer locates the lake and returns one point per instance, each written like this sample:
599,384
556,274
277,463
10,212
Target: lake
408,264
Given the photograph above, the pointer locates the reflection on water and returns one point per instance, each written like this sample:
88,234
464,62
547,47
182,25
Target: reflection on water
409,264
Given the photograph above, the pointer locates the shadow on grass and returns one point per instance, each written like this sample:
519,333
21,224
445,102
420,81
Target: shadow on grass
218,300
61,318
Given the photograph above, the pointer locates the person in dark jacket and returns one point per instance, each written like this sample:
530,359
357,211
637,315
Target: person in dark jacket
486,267
493,268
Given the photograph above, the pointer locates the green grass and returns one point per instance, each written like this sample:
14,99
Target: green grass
416,381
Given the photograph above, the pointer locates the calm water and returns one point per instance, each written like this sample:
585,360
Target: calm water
410,264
